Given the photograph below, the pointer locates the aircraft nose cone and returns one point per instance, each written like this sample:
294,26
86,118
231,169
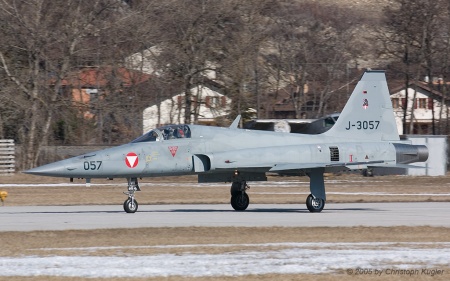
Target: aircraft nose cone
53,169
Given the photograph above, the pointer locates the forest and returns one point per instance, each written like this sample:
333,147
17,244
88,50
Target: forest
311,51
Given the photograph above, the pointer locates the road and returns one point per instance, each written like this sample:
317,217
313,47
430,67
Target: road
30,218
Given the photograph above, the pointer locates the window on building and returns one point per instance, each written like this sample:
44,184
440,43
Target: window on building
423,103
395,102
215,101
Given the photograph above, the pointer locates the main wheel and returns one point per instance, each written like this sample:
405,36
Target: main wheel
314,205
130,206
235,188
240,202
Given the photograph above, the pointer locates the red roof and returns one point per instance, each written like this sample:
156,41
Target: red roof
99,77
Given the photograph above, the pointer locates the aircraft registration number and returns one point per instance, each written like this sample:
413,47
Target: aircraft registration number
92,165
363,125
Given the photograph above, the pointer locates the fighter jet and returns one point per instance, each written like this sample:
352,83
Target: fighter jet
364,136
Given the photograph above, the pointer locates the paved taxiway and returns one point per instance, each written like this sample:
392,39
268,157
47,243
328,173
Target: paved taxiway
29,218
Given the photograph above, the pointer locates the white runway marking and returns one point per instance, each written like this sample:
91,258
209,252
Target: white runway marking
281,258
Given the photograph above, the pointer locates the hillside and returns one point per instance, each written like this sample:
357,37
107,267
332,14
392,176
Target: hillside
373,8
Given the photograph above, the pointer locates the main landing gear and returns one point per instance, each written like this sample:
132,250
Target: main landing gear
315,202
239,198
131,205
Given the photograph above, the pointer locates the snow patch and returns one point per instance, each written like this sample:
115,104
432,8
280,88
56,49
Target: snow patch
290,258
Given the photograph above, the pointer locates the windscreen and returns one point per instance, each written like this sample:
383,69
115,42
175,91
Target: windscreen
168,132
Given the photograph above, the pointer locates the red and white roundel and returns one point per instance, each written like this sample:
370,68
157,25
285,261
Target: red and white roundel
131,160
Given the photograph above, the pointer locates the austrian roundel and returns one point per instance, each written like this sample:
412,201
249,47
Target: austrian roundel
131,160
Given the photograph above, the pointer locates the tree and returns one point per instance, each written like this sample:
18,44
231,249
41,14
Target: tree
413,37
41,43
186,37
313,46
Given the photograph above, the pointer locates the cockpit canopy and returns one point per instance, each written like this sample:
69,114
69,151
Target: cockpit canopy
165,133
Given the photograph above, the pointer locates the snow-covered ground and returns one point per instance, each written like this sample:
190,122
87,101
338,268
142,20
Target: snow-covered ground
281,258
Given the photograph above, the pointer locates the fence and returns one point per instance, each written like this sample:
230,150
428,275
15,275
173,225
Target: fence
7,157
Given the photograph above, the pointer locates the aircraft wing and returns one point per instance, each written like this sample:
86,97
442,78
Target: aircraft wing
296,166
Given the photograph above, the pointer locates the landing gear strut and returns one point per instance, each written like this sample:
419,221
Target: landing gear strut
316,200
131,205
239,198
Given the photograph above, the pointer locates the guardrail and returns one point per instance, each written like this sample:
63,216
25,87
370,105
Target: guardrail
7,157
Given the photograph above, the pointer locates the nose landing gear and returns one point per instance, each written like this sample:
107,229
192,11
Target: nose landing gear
131,205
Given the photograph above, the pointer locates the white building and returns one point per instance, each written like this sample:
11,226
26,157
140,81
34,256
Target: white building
207,102
423,103
210,103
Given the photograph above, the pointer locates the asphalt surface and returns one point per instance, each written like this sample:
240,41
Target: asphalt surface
29,218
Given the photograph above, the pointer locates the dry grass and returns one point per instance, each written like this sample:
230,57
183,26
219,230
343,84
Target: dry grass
34,243
185,190
267,277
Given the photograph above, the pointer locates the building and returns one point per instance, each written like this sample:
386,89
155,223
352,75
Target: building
208,102
425,104
88,85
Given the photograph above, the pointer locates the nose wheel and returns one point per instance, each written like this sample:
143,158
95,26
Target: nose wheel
131,205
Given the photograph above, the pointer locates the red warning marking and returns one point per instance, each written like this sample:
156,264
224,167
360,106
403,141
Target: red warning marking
131,160
351,157
364,92
173,150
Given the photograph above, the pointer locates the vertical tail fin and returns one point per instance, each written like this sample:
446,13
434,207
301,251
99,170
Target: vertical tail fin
368,113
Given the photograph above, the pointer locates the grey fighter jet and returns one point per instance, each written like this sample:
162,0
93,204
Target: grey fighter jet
364,136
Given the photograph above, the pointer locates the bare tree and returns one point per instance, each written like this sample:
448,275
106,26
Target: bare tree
313,46
40,43
242,67
186,34
412,36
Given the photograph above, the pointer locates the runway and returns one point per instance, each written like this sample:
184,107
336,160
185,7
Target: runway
30,218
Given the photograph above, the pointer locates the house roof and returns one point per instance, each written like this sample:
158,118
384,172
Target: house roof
422,85
97,77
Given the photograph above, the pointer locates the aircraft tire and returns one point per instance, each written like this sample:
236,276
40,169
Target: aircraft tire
129,207
314,205
235,188
240,202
